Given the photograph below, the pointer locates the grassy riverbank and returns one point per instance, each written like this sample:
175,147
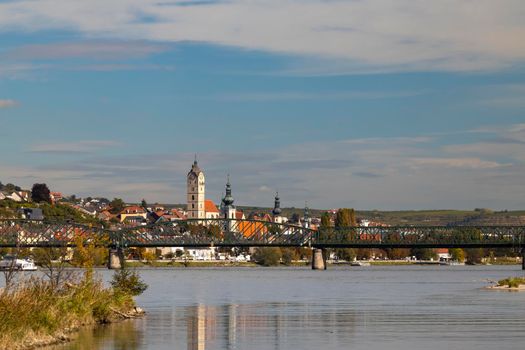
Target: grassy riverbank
36,312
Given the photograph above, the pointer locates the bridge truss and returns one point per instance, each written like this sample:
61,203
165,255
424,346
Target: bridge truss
254,233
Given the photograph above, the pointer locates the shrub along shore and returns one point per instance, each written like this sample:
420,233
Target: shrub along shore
38,311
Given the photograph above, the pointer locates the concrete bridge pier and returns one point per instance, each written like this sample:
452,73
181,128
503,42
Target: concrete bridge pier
523,258
115,259
318,259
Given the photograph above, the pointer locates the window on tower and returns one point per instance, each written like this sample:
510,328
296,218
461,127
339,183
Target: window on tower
192,197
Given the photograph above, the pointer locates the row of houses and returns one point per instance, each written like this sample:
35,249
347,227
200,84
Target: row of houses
25,196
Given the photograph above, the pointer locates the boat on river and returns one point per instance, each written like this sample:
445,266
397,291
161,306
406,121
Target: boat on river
12,262
359,263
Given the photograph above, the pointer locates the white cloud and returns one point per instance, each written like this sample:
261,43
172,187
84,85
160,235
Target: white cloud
8,103
74,147
461,163
354,35
101,50
384,173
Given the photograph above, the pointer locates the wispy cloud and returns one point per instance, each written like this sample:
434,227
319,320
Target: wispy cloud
302,95
461,163
397,172
98,50
349,36
74,147
8,103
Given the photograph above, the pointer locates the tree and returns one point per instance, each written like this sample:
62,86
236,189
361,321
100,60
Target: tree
9,187
40,193
326,220
345,218
288,255
424,254
268,256
474,255
128,282
347,254
457,254
397,253
116,205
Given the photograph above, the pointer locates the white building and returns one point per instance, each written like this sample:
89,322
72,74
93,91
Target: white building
196,186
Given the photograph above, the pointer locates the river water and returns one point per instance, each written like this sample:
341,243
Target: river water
394,308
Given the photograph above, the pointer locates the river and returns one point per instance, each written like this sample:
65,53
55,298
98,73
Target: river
358,308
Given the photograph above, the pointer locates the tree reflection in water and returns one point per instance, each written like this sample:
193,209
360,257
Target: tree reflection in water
118,336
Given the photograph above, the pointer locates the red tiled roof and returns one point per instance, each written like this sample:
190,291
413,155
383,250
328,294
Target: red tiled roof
178,214
133,209
210,207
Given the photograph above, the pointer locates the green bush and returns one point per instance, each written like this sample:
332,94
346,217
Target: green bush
512,282
270,256
128,282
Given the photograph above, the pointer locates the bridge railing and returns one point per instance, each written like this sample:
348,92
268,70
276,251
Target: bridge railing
433,236
232,232
225,232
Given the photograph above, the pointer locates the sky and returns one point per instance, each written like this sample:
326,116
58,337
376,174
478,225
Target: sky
371,104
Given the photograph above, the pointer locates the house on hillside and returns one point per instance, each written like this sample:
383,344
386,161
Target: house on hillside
55,196
15,196
35,214
133,211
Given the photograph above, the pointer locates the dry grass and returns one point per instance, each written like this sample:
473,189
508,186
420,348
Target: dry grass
34,311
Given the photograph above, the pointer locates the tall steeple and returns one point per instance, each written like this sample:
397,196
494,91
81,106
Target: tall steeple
228,209
277,206
306,218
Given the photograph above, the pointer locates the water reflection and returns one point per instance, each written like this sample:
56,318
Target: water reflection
119,336
397,308
205,327
271,325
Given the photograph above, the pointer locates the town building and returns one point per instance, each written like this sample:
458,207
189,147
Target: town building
133,214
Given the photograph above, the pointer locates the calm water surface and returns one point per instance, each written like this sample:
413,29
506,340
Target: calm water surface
395,307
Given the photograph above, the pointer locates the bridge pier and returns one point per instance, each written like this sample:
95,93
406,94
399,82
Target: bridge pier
318,259
115,258
523,258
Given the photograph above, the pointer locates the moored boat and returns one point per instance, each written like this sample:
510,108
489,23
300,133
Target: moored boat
12,262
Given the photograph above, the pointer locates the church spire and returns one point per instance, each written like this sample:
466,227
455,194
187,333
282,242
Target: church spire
306,218
277,206
228,198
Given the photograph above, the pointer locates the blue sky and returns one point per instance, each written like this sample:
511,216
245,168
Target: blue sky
366,104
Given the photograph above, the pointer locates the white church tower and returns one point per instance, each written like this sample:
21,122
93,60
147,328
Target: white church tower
196,187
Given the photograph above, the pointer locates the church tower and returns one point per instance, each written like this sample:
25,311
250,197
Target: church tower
276,212
228,209
196,186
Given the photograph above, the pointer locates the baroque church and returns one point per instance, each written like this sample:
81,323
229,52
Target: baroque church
198,207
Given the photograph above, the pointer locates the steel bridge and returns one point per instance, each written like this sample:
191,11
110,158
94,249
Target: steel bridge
254,233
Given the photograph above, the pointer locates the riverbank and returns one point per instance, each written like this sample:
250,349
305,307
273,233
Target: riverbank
231,264
37,312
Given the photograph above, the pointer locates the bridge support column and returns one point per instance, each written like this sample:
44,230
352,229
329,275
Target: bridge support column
523,258
115,259
318,259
